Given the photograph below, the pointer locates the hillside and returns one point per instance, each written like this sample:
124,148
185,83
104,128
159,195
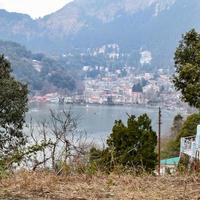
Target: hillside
40,72
136,26
45,185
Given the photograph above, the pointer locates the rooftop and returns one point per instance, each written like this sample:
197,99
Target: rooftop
170,161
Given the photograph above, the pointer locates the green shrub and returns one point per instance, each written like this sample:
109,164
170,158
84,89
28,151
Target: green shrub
130,146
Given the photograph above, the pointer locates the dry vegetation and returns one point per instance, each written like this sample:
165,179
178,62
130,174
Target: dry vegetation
46,185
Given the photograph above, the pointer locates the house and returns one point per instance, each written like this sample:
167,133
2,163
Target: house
191,146
169,165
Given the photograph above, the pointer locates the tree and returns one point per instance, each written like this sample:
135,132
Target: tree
177,125
132,145
170,144
56,143
13,106
188,128
187,64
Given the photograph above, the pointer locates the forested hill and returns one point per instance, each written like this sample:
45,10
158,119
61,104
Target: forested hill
40,72
135,26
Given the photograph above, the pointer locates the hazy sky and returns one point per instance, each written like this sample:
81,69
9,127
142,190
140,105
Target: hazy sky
35,8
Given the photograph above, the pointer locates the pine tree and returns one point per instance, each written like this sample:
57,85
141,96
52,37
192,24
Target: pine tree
187,64
131,146
13,106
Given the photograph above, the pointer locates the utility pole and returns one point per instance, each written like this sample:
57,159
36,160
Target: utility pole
159,138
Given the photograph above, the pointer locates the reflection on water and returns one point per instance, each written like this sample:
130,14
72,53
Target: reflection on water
98,120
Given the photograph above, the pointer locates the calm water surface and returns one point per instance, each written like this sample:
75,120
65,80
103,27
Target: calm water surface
98,120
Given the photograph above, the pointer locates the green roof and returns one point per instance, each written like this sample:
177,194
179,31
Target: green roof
170,161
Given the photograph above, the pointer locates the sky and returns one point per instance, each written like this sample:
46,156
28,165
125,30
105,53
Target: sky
34,8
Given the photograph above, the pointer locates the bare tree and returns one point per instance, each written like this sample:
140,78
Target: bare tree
60,139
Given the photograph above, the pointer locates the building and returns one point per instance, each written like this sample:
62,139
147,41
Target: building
169,166
191,146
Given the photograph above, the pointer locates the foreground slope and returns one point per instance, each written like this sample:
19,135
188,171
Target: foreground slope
39,185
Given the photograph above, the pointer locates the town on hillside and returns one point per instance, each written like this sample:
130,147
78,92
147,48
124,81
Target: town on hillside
121,87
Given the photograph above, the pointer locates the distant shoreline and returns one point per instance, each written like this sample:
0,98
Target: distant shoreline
182,109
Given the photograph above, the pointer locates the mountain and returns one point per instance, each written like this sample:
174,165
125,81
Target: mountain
42,73
146,31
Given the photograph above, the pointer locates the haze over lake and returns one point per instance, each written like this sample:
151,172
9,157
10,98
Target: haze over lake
98,120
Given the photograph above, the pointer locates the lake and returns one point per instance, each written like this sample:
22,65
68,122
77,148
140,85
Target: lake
98,120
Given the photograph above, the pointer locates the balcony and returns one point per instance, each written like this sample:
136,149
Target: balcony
191,145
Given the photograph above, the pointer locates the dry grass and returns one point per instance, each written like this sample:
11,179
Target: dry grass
46,185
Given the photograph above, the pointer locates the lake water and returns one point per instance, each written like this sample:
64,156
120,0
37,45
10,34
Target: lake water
98,120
